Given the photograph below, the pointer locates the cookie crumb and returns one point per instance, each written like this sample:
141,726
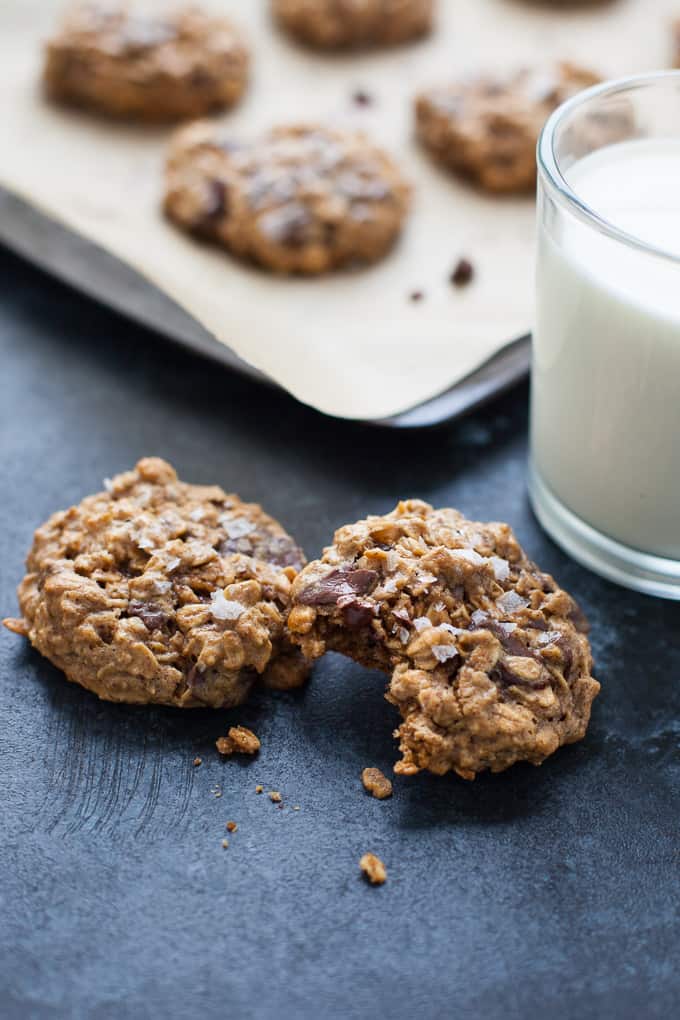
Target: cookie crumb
362,98
463,273
232,826
416,295
239,740
225,844
198,761
373,869
216,791
259,789
275,796
376,783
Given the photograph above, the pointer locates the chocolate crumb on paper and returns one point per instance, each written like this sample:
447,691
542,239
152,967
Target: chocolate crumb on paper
373,869
416,296
362,98
376,783
463,273
239,740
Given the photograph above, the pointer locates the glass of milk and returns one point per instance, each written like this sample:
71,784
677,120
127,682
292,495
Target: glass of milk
605,419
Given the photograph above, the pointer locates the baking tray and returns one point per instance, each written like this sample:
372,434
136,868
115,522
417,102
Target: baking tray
94,271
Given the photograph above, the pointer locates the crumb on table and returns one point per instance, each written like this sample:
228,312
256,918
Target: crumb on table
225,844
275,796
239,740
232,826
259,789
376,783
198,761
373,868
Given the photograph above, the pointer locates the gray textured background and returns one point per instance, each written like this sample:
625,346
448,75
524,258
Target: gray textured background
540,892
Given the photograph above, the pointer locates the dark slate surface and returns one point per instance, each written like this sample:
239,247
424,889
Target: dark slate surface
541,892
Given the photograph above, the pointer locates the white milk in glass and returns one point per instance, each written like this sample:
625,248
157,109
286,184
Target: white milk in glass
606,375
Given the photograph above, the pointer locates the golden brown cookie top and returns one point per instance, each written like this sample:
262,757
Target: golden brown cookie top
486,126
140,60
338,24
488,657
157,590
301,198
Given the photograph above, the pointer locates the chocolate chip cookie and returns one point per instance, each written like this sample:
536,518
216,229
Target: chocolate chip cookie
342,24
488,658
132,61
159,591
486,128
301,199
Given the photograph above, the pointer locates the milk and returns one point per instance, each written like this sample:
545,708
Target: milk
606,373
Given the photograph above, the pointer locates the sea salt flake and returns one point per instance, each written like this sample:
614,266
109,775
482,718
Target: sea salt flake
197,514
223,608
444,652
391,560
549,637
172,563
427,578
511,602
146,542
450,629
421,623
501,568
389,585
236,527
162,586
403,635
507,628
469,555
108,484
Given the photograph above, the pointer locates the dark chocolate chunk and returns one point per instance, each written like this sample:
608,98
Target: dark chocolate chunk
356,613
502,675
416,295
361,98
340,583
462,273
151,616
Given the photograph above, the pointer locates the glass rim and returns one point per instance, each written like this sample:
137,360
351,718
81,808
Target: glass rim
553,179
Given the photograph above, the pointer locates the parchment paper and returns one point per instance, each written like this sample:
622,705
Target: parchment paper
351,344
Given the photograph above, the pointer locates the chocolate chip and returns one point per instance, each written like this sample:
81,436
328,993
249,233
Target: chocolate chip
361,98
217,200
462,273
151,616
338,584
504,677
416,295
357,614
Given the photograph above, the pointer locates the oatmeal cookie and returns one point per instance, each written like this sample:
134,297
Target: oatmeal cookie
343,24
302,199
131,61
488,658
159,591
486,128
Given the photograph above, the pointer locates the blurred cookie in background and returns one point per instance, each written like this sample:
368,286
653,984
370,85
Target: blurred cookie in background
133,61
300,199
342,24
485,127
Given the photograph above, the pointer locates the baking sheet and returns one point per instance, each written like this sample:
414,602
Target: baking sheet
352,345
